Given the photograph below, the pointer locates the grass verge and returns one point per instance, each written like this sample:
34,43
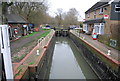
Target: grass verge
16,58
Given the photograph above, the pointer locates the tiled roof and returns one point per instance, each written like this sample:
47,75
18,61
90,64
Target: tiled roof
13,18
98,4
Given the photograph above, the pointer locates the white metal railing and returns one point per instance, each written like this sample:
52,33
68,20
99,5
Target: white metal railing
42,42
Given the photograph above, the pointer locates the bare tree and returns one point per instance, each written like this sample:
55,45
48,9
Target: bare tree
59,16
5,6
72,16
34,12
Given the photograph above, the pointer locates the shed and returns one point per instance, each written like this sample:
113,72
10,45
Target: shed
15,19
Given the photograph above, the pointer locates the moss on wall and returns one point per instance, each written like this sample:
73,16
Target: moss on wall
114,34
105,60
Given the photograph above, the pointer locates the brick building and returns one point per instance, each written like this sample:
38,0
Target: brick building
103,18
16,24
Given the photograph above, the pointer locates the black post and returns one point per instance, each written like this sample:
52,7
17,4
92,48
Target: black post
119,73
3,69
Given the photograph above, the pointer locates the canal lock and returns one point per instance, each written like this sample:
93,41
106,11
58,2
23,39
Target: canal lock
41,71
62,32
101,69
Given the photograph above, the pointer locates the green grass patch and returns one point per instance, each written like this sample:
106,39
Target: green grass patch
46,29
30,63
20,58
18,73
16,58
31,34
43,35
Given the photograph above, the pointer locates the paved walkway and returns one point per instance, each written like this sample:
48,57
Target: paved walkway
115,54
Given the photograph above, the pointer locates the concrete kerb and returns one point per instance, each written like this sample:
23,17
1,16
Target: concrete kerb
20,63
20,73
15,69
108,57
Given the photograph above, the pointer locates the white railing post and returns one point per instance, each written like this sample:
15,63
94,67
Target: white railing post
5,50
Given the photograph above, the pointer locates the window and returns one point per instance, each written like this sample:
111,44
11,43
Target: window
88,14
85,28
101,10
96,28
99,28
102,28
94,14
117,8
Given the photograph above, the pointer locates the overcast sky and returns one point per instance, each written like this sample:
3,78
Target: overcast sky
80,5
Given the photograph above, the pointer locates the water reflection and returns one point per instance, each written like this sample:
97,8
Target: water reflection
67,62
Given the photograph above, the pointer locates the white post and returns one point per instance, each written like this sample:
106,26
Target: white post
5,50
109,51
100,28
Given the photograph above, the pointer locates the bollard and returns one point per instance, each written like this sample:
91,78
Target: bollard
94,36
38,52
83,38
109,51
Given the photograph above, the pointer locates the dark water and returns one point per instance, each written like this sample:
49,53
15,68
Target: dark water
67,62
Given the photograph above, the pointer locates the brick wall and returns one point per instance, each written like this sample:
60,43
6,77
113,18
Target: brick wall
112,31
106,11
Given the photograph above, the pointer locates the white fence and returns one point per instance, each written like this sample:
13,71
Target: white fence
42,42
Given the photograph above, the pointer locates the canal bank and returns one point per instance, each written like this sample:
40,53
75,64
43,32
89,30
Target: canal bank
36,64
68,60
68,63
104,67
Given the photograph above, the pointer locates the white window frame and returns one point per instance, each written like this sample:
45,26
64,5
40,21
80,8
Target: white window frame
101,10
99,26
95,12
85,27
116,7
101,31
88,15
96,25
